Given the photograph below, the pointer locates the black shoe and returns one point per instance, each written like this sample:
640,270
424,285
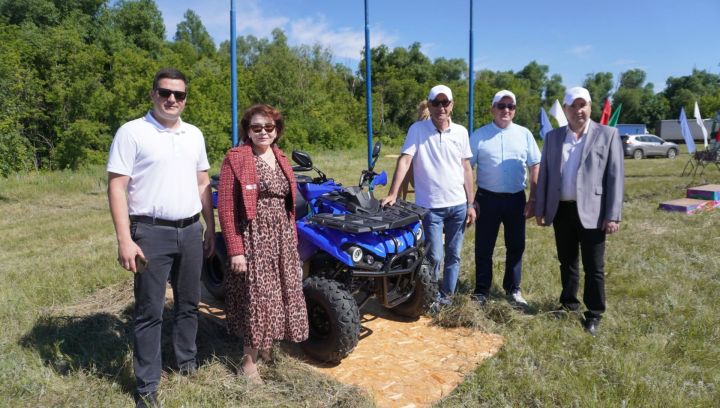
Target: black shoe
479,298
591,325
562,311
188,370
146,400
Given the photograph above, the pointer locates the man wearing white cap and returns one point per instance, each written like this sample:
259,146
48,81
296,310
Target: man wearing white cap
439,151
580,193
502,150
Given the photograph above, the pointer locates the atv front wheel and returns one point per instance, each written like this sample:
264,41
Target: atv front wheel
334,320
213,271
423,295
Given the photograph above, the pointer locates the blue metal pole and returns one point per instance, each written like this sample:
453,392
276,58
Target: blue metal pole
233,72
368,86
471,75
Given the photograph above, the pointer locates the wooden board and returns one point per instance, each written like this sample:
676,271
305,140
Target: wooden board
707,192
401,363
412,364
689,205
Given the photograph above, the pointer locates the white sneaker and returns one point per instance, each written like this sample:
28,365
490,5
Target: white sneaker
517,299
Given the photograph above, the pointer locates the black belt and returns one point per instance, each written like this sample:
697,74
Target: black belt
569,202
482,191
166,223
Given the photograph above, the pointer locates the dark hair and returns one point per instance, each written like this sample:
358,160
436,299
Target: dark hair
170,73
264,110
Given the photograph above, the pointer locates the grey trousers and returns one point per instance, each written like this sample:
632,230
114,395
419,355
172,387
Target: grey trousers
177,254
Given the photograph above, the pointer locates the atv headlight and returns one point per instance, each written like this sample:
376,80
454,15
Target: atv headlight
419,233
355,253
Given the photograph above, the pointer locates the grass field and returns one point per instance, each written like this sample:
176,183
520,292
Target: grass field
65,307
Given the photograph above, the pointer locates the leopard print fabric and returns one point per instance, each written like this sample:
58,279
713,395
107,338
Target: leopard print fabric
266,303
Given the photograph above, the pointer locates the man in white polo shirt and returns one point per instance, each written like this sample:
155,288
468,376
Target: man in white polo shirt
439,151
157,187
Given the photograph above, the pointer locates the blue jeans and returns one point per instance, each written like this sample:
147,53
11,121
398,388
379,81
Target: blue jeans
451,222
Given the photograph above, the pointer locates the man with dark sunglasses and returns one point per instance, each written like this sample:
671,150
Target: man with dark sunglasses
158,186
439,151
504,154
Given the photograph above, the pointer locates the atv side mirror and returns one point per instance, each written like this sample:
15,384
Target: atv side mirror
375,154
376,150
303,159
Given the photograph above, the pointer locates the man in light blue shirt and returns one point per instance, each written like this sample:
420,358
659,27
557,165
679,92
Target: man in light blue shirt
501,152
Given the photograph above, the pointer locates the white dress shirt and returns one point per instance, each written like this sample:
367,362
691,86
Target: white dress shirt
571,155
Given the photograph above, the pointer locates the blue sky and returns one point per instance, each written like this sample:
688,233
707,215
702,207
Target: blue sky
662,37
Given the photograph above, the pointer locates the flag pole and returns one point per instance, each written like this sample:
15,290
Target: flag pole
471,76
233,73
368,86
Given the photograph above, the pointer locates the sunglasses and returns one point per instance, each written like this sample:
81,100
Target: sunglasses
269,127
445,103
165,93
502,106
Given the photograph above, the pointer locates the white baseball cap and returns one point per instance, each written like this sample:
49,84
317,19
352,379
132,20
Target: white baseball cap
574,93
502,94
439,89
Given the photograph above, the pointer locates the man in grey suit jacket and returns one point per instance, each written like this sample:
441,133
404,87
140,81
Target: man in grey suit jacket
580,193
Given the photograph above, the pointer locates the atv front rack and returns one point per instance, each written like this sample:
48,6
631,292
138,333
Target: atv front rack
400,214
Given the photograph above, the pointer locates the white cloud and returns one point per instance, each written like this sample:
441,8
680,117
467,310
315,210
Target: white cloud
580,50
343,42
253,19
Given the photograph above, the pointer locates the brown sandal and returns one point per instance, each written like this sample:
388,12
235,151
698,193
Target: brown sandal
252,374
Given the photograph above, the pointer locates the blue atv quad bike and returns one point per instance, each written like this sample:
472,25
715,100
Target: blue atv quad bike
351,249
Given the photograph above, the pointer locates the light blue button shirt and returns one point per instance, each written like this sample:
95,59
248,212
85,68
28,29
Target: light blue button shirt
502,155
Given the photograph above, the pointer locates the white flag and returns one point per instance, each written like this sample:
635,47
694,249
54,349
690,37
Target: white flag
700,123
557,112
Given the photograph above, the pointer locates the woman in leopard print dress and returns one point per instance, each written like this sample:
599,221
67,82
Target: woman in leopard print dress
265,302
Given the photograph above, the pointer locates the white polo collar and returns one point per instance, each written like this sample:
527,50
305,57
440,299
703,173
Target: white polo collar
161,128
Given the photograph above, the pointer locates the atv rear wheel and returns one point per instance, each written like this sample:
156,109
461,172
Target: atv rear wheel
423,295
213,271
333,318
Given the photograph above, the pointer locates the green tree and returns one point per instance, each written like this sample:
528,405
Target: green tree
640,104
38,12
684,91
208,105
632,79
536,75
142,24
554,90
20,106
83,143
192,31
449,70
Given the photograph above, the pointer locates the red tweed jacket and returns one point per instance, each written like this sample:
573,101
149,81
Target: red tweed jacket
238,194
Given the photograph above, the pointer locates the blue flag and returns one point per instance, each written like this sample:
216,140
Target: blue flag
544,122
685,129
